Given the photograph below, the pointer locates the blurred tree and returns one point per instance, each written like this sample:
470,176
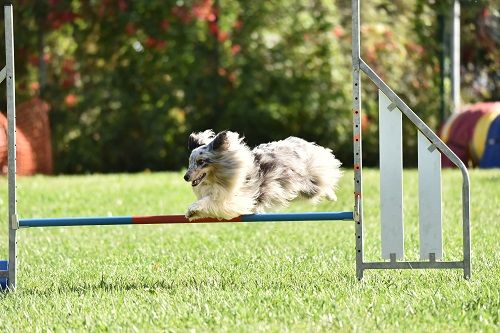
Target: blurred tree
480,39
128,80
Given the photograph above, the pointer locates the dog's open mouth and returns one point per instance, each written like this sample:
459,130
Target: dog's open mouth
198,180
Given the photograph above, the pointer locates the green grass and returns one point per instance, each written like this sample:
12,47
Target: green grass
297,277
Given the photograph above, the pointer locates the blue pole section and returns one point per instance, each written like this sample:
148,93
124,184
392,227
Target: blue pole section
297,217
180,219
74,221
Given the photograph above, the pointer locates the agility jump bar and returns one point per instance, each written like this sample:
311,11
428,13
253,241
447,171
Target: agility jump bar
181,219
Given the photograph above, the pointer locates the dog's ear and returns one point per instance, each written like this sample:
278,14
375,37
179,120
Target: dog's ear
194,141
199,139
220,142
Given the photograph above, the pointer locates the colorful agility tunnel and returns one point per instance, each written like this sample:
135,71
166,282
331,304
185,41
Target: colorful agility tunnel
473,135
491,156
481,134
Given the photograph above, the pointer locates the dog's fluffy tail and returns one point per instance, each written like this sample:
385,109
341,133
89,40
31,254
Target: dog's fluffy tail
325,172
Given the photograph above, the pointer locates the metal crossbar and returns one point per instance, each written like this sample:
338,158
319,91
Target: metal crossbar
175,219
414,265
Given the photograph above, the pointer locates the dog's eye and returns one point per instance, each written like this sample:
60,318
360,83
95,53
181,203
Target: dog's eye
200,162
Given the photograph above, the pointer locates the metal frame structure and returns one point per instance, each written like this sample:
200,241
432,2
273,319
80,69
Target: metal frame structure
8,269
359,65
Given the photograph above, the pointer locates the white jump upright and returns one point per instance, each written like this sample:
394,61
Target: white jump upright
391,178
429,199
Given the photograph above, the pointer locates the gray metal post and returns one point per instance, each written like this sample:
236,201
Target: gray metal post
455,57
466,225
455,88
11,121
442,67
358,165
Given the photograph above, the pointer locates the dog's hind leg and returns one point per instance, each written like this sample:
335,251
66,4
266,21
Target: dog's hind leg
317,193
330,195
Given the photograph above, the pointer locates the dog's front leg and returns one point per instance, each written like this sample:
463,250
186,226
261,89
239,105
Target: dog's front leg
197,209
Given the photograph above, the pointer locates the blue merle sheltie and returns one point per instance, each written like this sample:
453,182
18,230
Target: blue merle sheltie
229,179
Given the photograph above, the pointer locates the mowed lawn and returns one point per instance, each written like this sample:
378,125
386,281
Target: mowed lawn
271,277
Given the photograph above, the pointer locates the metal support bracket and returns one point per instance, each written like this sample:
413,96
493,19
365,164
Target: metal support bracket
393,257
3,74
392,106
356,211
14,222
432,146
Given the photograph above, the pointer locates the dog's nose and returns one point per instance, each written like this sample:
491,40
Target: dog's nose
186,177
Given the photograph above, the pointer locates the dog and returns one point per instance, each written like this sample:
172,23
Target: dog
230,180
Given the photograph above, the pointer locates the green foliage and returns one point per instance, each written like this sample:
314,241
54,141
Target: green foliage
271,277
129,80
480,54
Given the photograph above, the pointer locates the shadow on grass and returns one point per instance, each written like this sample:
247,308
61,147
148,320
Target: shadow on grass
277,282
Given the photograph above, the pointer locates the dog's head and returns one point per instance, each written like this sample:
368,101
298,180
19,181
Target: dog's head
206,151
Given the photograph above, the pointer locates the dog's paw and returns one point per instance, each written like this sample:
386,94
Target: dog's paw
192,213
